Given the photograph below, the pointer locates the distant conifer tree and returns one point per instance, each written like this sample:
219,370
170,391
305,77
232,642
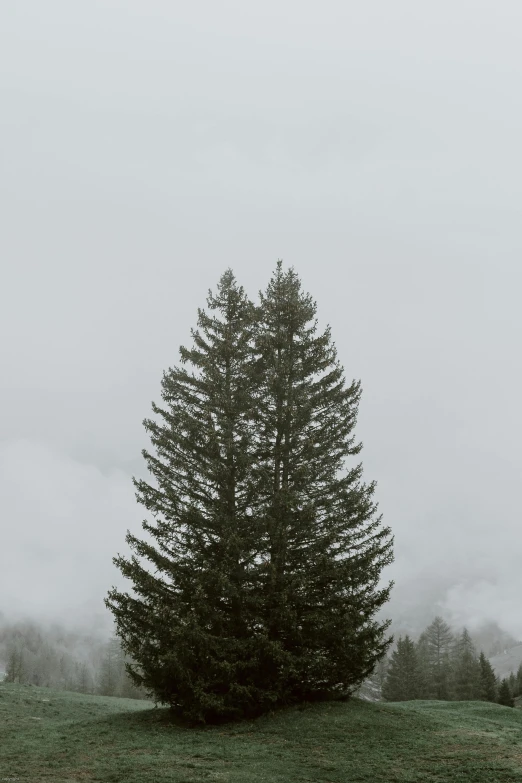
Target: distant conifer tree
519,681
402,680
505,697
15,668
425,673
466,669
83,678
439,641
488,687
111,669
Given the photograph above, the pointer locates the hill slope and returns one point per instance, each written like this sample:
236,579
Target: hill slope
66,737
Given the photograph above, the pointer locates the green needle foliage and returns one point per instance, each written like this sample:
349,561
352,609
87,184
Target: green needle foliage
266,547
425,668
189,625
505,697
467,671
325,543
439,640
487,680
518,689
402,680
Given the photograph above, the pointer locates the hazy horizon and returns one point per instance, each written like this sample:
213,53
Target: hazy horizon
375,148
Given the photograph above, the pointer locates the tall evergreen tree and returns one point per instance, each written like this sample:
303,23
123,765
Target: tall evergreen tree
402,682
111,669
505,697
439,639
488,687
425,673
467,670
325,545
189,628
519,681
268,550
15,668
83,678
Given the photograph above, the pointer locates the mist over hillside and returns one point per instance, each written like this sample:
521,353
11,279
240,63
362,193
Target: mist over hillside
54,656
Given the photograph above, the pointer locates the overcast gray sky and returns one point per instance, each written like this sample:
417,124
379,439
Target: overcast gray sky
375,146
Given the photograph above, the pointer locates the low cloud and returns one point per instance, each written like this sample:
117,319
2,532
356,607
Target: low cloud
63,521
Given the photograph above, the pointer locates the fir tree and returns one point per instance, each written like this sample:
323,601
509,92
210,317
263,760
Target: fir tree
505,697
439,640
325,545
467,670
83,678
114,679
425,674
519,681
488,687
111,669
402,683
191,627
15,669
267,549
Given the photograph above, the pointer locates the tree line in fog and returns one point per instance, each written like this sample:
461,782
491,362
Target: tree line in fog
30,655
446,666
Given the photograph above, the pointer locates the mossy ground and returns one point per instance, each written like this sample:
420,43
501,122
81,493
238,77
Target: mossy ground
64,737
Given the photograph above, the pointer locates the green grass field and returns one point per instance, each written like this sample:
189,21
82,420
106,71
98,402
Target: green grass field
50,736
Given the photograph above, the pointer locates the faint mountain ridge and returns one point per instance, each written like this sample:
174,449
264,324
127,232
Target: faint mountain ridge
506,662
492,639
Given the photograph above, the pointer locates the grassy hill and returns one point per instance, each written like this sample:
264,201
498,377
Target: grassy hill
64,737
